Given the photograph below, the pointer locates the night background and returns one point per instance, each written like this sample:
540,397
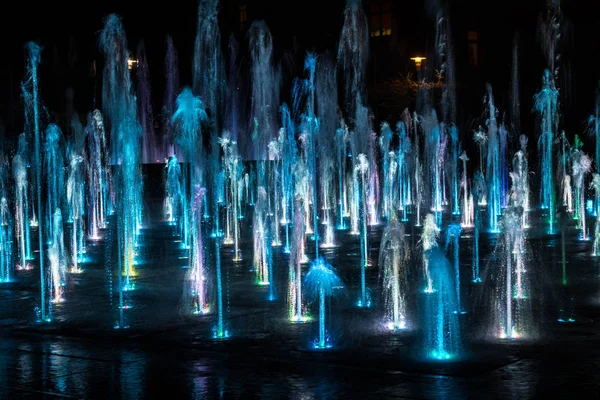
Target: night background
68,33
283,229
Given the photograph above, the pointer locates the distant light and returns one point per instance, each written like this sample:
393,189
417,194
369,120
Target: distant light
131,62
418,60
589,205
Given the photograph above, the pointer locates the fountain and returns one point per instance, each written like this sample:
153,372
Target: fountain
76,201
261,246
510,296
453,236
582,164
295,304
119,108
33,103
478,194
361,169
196,276
58,262
173,204
493,168
429,238
6,226
545,104
468,203
520,180
188,118
321,282
19,169
441,328
98,174
393,257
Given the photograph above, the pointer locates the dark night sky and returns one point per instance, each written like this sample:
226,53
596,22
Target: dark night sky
57,24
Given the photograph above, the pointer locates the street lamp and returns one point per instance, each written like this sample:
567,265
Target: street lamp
417,61
131,62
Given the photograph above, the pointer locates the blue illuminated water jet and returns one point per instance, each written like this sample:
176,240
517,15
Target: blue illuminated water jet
321,282
443,340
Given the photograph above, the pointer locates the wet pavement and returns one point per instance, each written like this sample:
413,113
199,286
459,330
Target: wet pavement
167,351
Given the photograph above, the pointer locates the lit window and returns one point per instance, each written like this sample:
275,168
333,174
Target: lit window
380,18
243,16
473,51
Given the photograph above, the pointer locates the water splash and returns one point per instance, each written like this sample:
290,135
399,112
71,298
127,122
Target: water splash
393,257
453,238
360,172
429,238
321,282
443,340
196,277
295,304
31,95
545,105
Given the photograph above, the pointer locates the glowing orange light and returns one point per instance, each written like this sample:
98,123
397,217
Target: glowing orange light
418,60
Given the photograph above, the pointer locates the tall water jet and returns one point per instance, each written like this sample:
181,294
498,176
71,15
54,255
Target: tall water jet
468,203
441,325
173,205
545,105
233,103
452,239
596,186
289,158
233,174
119,107
360,172
481,139
453,130
418,171
196,277
478,193
188,119
341,161
19,170
54,168
58,260
353,56
76,200
373,196
209,82
493,168
6,240
261,247
434,159
403,167
389,172
208,70
144,106
515,98
98,174
220,329
511,288
321,282
300,184
429,238
595,249
393,258
275,152
327,115
265,92
582,164
31,92
170,95
295,303
520,178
